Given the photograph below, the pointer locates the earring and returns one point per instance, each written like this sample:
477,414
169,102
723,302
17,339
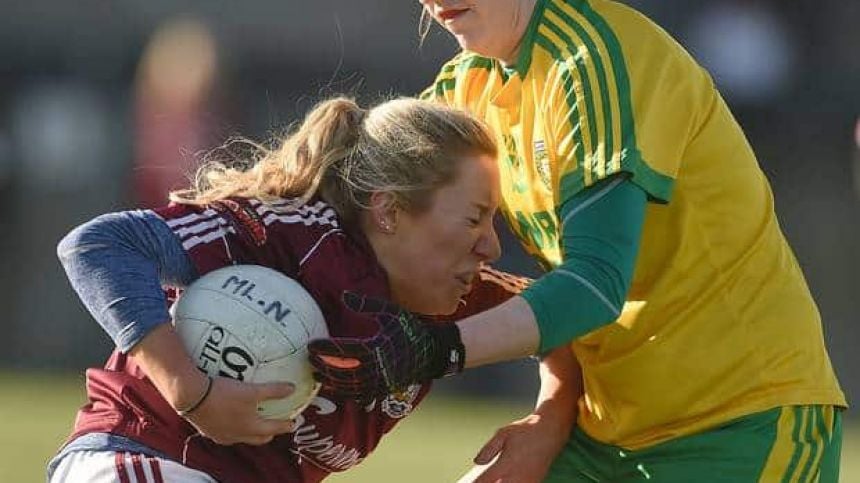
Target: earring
386,227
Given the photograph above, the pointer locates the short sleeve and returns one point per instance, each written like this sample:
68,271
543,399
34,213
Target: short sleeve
601,127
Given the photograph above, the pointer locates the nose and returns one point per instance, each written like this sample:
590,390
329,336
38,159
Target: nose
488,247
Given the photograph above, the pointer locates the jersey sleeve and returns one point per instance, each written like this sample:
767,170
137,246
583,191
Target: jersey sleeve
461,83
443,87
491,288
623,108
117,264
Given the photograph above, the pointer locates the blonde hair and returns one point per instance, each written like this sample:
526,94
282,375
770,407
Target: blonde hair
343,154
425,22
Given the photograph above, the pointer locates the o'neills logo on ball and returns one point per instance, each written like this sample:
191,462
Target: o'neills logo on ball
217,354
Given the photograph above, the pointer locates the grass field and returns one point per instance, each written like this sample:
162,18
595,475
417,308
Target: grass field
434,445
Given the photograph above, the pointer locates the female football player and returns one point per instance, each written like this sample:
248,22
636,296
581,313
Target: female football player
396,201
625,174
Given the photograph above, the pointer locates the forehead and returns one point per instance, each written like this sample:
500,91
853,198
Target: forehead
476,181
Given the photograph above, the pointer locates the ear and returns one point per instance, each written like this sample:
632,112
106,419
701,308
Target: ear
383,211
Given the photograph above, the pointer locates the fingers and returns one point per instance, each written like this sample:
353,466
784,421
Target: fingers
231,416
339,347
340,362
490,450
274,390
338,356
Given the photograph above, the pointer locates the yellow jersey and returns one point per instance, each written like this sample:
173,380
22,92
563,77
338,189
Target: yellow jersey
719,322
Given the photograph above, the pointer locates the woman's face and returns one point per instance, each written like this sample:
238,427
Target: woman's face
492,28
433,257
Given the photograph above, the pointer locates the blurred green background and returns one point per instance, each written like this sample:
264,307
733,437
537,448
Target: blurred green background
436,444
102,103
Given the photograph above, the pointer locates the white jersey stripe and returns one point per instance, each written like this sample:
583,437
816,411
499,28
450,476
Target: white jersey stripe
214,235
297,218
192,218
318,213
198,228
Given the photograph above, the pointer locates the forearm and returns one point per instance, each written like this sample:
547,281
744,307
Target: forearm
117,264
561,386
584,293
165,361
506,332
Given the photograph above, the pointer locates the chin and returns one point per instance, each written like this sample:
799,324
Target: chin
468,42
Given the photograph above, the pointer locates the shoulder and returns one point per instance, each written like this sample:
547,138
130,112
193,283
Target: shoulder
300,231
458,74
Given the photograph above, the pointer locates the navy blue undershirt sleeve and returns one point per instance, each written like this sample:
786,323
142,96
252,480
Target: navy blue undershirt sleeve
117,263
601,229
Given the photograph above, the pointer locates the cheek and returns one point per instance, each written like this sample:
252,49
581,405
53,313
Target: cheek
437,251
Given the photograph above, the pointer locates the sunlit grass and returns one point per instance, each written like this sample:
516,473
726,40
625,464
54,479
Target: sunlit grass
434,445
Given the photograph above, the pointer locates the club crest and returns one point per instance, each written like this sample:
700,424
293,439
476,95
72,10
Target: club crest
400,404
542,163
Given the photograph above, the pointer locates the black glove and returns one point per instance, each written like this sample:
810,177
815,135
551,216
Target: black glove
406,350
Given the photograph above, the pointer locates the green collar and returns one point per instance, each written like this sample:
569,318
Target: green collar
524,58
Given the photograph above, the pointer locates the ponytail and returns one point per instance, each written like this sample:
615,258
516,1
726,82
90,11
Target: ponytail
343,153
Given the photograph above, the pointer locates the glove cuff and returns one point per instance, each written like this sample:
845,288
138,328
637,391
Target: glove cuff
452,352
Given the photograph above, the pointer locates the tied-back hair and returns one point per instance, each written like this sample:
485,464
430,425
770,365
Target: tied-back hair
344,153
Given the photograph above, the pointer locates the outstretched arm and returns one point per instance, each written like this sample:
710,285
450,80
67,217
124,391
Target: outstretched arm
601,228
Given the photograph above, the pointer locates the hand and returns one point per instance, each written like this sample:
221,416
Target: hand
406,350
229,415
520,452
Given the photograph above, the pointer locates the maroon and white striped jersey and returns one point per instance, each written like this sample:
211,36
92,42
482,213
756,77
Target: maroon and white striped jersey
309,245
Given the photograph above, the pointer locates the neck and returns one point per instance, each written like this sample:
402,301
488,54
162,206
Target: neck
523,16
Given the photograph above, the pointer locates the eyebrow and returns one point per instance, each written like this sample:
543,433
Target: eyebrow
482,208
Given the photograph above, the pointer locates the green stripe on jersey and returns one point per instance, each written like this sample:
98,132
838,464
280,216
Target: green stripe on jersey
525,57
622,79
577,62
594,54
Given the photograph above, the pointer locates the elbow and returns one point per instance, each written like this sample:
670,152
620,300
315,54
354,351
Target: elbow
69,244
84,238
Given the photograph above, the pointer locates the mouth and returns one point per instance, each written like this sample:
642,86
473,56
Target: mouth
451,14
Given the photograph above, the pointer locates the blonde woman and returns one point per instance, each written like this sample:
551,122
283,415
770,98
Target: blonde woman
395,201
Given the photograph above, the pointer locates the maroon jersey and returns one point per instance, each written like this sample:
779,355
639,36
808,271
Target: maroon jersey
309,245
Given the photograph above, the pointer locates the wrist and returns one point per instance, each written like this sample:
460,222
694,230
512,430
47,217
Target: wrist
452,352
167,364
561,413
186,409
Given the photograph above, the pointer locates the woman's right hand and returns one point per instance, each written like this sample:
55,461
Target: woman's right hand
228,413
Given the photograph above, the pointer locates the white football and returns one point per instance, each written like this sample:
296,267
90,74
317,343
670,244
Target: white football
252,323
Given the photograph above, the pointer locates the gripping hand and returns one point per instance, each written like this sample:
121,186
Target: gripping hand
406,350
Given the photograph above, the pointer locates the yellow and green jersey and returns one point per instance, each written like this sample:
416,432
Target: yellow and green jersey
719,322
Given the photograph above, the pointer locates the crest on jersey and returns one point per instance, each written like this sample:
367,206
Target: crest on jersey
542,163
400,404
243,219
